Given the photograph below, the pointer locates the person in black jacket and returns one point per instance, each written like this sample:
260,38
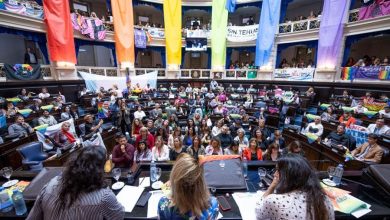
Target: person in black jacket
338,138
225,138
30,57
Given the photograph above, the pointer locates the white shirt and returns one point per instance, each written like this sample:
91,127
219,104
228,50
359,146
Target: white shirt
356,109
315,126
383,130
163,155
287,206
139,114
215,131
386,115
43,95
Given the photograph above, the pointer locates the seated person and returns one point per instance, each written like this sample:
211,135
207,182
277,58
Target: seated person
253,152
196,149
160,151
359,108
264,130
234,149
90,125
240,88
156,111
241,138
142,153
315,127
19,128
347,119
328,116
123,153
272,153
278,139
145,135
11,109
68,114
293,148
177,149
46,118
338,138
139,114
379,128
44,94
64,138
385,113
370,151
225,138
58,102
214,148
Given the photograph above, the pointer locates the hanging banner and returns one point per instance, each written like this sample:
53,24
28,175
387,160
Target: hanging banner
218,34
60,39
103,110
23,72
51,132
376,9
156,32
93,82
198,33
366,72
122,11
242,33
295,74
172,20
90,27
140,38
359,133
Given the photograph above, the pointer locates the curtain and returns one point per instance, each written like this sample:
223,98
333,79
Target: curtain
331,32
218,34
122,11
59,31
172,19
269,21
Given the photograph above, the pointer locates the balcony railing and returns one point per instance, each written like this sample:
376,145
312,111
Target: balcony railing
161,73
296,26
103,71
195,73
353,15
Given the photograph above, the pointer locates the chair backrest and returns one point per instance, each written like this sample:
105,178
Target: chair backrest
312,110
298,120
30,150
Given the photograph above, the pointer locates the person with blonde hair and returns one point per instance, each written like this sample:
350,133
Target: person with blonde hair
190,197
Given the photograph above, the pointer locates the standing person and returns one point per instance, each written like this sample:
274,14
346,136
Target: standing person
123,118
190,197
80,192
123,153
30,57
295,184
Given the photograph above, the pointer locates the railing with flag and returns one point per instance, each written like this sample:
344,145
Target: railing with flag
45,71
103,71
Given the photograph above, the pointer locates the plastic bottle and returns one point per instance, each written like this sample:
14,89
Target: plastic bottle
245,166
19,203
338,174
152,171
127,135
5,201
130,178
59,153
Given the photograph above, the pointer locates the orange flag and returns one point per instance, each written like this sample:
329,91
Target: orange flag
60,38
122,11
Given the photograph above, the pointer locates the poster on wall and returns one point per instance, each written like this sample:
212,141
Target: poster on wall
366,72
295,74
242,33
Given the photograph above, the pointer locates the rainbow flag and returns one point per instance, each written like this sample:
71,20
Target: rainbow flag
41,128
311,137
375,106
47,107
348,73
25,112
103,111
384,74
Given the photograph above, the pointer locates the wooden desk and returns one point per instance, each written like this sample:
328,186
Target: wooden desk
8,154
321,156
55,161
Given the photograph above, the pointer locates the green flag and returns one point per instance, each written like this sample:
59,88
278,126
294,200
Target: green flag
218,34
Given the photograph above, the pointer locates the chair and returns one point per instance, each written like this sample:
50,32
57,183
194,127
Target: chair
33,155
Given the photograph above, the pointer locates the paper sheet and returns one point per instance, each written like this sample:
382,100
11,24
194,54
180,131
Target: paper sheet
145,182
246,202
153,203
129,196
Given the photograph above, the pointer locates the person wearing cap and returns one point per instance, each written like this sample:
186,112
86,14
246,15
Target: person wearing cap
369,151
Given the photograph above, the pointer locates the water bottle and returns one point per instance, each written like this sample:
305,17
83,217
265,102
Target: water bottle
19,203
245,166
59,153
152,171
130,178
127,135
5,201
338,174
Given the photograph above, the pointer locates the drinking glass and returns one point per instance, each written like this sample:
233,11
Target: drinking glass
116,173
157,174
222,163
262,173
331,171
7,172
213,190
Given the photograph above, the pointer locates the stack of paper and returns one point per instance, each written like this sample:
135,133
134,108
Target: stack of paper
129,196
153,203
246,202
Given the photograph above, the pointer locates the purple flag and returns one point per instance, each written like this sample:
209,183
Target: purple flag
331,32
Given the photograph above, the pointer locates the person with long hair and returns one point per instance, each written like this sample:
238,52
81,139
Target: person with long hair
214,148
142,153
272,153
177,149
253,152
136,127
298,193
196,148
260,140
80,192
123,118
176,133
68,114
294,147
160,151
190,197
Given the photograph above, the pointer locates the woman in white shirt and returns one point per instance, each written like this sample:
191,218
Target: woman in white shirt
139,113
217,129
214,148
298,193
160,152
315,127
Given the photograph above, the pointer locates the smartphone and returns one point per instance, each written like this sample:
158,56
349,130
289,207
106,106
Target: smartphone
223,203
